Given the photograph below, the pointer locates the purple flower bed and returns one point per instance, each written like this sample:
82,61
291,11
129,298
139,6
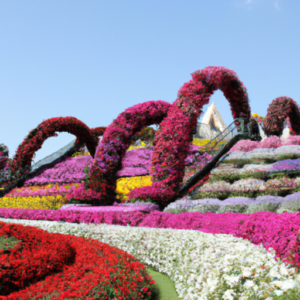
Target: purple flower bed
136,162
68,171
286,165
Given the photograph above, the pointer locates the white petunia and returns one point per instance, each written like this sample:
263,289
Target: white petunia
229,295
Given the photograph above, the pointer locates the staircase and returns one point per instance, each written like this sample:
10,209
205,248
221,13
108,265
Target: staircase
235,132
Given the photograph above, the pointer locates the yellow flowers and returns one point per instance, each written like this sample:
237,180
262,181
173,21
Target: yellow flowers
257,116
126,184
200,142
136,147
48,202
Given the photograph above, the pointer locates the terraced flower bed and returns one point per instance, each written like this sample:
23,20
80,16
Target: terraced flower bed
97,226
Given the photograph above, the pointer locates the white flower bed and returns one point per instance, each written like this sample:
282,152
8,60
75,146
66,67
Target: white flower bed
218,186
248,185
200,264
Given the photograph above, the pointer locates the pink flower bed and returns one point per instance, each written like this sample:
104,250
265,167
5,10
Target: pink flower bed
270,142
279,231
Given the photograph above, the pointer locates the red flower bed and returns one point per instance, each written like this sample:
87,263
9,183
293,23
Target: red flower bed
279,110
96,270
47,128
37,255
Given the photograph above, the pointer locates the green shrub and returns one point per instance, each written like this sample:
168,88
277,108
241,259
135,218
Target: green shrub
204,208
264,206
201,195
238,208
291,206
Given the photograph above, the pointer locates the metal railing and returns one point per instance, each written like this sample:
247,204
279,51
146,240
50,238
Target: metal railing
236,127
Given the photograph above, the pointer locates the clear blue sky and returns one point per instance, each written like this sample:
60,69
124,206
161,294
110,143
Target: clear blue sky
94,59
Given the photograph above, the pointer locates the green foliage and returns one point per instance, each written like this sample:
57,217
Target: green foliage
147,134
264,206
8,243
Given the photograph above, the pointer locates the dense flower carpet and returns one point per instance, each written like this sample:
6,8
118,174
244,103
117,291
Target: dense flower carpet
93,225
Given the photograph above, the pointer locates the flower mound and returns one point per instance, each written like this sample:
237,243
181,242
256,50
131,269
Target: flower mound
88,269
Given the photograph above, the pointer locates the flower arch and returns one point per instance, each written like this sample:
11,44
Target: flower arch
280,109
172,141
116,140
47,128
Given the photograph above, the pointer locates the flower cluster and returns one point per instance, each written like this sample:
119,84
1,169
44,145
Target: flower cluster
258,118
280,109
102,270
125,185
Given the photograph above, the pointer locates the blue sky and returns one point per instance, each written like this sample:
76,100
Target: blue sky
94,59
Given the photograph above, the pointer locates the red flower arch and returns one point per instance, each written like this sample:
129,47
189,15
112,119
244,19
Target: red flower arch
280,109
47,128
172,141
116,140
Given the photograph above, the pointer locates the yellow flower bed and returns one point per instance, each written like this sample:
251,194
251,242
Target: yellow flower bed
200,142
49,202
126,184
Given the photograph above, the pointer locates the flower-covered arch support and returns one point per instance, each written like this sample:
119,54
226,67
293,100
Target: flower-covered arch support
46,129
280,109
172,141
116,140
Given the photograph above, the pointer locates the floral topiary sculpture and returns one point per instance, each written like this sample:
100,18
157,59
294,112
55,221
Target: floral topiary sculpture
48,128
279,110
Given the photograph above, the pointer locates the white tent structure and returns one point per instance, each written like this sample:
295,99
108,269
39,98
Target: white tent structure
212,123
212,117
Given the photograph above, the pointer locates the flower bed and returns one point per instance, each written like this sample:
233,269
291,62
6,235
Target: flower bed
240,268
97,270
48,202
50,253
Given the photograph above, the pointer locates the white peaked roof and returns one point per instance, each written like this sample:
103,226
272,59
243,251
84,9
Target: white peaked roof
213,117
